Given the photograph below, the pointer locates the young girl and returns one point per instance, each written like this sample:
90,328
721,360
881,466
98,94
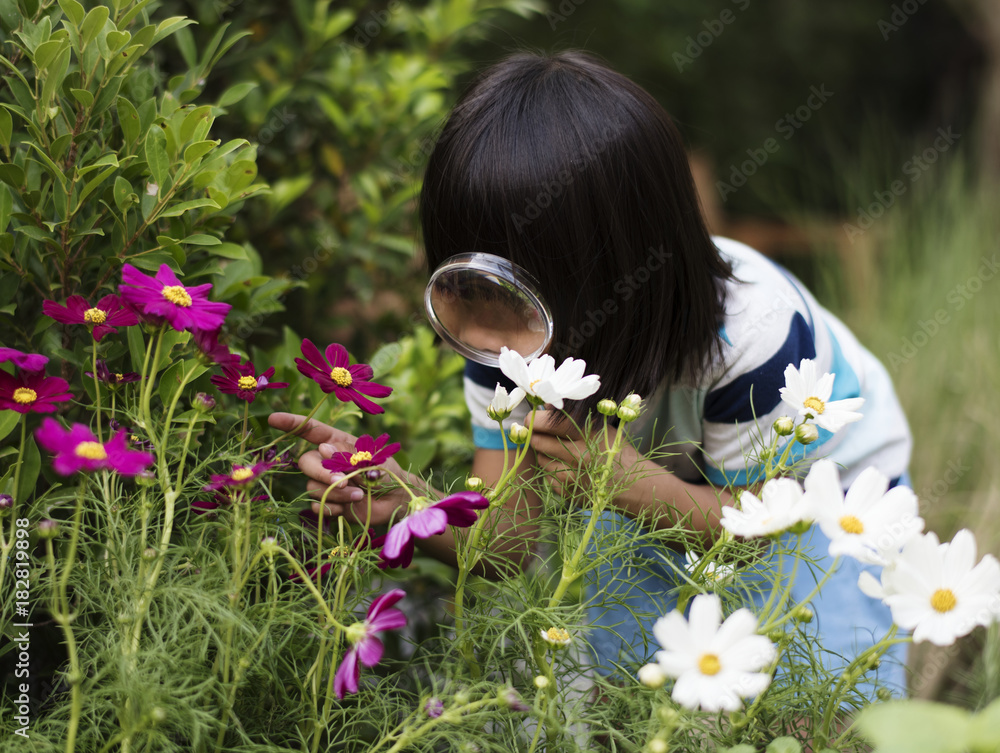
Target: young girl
577,175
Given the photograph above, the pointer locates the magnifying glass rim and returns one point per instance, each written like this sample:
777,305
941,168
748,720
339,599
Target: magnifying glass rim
506,270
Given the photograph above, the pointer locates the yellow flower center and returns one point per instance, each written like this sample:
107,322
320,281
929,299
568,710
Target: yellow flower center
532,385
337,552
341,376
241,474
177,295
709,664
943,600
851,524
25,395
91,451
556,635
360,457
134,438
94,316
247,383
814,403
118,377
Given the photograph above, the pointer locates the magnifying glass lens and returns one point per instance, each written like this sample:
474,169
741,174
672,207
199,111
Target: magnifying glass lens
480,302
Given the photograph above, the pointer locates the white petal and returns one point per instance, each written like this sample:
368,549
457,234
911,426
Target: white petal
870,586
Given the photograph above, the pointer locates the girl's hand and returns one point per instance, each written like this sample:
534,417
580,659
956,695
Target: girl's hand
345,497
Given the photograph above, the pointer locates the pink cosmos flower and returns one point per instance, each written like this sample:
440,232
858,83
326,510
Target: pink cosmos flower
33,362
112,378
428,519
103,316
78,449
240,476
350,384
208,343
367,647
32,393
165,298
240,380
368,453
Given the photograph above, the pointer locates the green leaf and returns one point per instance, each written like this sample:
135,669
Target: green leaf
136,347
73,10
385,359
93,23
200,239
8,420
31,466
12,175
6,127
186,206
128,118
915,727
117,39
93,183
199,149
47,161
156,155
82,96
235,93
168,26
6,207
46,52
55,75
741,748
125,197
230,251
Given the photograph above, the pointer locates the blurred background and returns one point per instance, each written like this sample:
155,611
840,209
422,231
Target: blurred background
857,142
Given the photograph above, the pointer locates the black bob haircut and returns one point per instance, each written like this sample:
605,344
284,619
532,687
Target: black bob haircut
578,175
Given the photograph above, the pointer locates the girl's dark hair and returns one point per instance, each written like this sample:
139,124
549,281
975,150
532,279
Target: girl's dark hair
577,174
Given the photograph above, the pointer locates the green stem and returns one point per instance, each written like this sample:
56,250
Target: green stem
97,393
292,432
7,543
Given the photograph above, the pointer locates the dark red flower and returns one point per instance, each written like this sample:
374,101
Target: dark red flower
333,374
32,393
241,476
427,519
208,343
240,380
366,646
102,317
368,453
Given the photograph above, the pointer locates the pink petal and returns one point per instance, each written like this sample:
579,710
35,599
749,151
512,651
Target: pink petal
346,678
397,537
384,601
369,651
336,354
427,523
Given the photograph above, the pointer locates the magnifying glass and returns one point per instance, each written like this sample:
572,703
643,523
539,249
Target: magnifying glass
480,302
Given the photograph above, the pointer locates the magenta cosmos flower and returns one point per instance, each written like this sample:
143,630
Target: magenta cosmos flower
113,378
208,343
333,374
33,362
240,476
368,453
32,393
77,449
367,648
102,317
238,379
165,298
428,519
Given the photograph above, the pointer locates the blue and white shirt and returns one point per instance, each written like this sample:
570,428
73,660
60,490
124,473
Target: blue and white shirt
771,321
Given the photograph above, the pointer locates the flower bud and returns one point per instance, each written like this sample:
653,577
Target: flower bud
372,475
48,528
518,433
806,433
6,502
512,700
884,694
434,707
652,676
656,745
145,478
495,414
607,407
783,426
541,682
627,414
461,698
667,715
203,402
158,715
802,614
632,401
474,484
149,554
269,545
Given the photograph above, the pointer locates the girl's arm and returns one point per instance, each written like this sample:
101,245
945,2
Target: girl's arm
653,495
515,530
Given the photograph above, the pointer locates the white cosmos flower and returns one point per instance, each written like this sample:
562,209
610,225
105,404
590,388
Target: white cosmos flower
503,404
715,665
780,506
939,591
810,396
541,380
869,524
713,571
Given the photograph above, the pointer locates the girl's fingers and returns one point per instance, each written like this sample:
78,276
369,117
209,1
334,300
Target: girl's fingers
548,422
314,431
